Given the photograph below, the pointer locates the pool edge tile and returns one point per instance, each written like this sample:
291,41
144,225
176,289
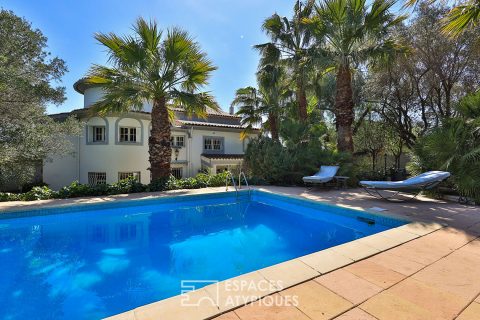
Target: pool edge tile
421,228
227,297
200,306
129,315
399,234
355,250
297,272
380,242
326,261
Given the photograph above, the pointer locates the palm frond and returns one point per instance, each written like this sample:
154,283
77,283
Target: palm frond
149,66
120,93
149,34
462,17
353,30
269,53
245,132
194,103
472,156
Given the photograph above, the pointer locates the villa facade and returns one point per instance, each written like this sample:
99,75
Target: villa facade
114,147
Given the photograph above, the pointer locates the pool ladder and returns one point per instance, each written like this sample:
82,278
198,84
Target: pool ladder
240,176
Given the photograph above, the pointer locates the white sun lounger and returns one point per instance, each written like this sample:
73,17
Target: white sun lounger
324,175
424,181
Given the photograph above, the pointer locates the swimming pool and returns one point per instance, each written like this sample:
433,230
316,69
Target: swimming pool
92,261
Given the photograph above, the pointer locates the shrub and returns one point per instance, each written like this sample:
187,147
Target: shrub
455,147
159,184
129,185
217,180
38,193
75,189
7,196
203,179
189,183
29,186
285,164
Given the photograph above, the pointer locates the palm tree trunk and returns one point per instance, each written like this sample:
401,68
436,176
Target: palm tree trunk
159,147
272,122
344,109
301,101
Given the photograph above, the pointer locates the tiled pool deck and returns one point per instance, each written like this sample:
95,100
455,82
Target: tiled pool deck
425,270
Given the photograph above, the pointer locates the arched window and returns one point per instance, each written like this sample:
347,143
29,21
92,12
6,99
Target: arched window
97,131
129,131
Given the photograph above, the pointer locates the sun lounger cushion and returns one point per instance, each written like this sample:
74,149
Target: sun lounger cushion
325,174
418,182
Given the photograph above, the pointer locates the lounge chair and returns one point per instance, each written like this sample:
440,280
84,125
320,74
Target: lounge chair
324,175
415,185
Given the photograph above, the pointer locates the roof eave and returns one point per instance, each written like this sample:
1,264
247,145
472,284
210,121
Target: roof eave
80,86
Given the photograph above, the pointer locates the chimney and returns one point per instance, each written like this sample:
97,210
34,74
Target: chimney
232,110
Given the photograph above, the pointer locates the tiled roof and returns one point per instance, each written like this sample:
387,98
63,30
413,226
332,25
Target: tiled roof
222,156
211,112
178,122
209,124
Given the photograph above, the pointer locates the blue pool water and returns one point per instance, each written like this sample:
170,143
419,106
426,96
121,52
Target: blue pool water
92,261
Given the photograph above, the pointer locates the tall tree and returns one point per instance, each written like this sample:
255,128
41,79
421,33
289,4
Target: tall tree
417,93
350,33
166,69
269,100
29,78
371,140
454,146
251,103
463,16
291,46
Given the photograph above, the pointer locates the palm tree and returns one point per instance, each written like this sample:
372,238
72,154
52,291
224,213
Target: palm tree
462,17
454,146
290,45
348,33
163,69
268,100
251,104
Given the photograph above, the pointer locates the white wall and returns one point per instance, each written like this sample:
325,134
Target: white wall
94,94
113,157
91,96
233,145
60,171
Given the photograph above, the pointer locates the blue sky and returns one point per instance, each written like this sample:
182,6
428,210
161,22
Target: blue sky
226,30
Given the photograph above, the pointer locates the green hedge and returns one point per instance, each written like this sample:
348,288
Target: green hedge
130,185
278,163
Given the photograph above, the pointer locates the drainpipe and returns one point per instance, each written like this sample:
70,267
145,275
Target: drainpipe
189,152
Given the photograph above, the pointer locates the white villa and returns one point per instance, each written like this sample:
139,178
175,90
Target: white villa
116,146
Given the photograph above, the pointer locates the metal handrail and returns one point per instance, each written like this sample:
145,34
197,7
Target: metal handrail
229,174
240,175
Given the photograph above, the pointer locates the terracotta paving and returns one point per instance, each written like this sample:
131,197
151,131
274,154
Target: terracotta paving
387,286
436,276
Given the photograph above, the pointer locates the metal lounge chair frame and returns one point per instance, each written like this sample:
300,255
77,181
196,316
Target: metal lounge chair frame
414,190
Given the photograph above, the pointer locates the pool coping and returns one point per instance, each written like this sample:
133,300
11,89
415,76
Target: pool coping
288,273
11,207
